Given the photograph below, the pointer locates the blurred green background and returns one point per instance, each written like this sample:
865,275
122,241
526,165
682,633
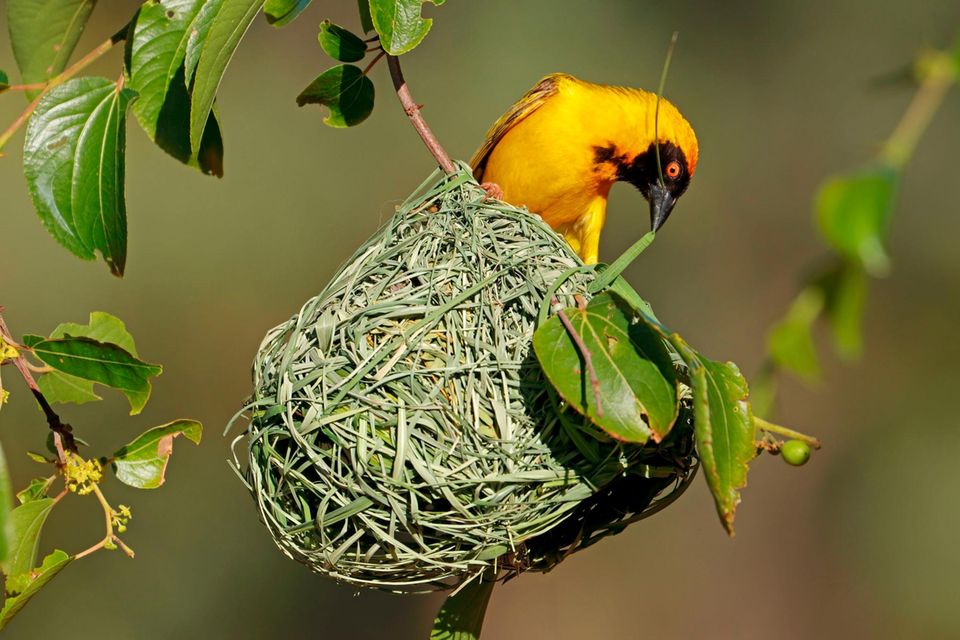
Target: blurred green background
860,543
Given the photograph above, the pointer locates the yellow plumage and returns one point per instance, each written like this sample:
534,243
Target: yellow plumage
559,150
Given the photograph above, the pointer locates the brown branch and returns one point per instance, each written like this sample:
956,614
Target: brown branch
584,351
412,110
62,432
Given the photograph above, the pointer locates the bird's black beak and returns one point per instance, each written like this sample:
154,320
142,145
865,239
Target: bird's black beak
661,204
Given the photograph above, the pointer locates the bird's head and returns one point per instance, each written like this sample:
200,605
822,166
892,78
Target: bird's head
661,182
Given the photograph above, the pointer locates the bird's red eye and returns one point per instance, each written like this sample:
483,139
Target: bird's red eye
673,170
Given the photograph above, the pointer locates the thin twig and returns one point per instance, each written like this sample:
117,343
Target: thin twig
62,432
584,351
412,110
770,427
64,75
374,61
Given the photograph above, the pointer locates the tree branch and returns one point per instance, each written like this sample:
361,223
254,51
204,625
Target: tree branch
412,110
62,432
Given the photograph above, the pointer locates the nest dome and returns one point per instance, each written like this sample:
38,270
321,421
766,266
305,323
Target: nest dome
401,433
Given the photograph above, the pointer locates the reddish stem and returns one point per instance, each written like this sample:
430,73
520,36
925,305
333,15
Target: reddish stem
412,110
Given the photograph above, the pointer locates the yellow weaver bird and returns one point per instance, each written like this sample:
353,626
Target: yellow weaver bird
560,149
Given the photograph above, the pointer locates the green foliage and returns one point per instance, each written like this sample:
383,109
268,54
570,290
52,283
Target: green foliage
74,164
399,23
366,21
637,383
143,462
103,327
462,613
345,91
157,68
26,522
6,528
36,490
340,44
280,13
853,211
845,293
725,431
20,588
216,49
101,362
4,81
44,34
790,341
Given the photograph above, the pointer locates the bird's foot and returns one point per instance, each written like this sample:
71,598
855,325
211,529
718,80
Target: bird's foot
494,192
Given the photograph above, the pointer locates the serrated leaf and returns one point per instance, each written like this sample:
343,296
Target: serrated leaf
73,160
143,462
43,34
366,22
399,23
36,490
345,91
461,616
197,36
100,362
852,213
26,522
637,382
156,69
22,587
723,427
790,341
340,44
6,526
280,13
228,26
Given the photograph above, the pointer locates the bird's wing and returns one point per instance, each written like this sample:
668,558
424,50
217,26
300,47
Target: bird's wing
530,102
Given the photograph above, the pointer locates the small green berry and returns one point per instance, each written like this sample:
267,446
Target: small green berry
795,452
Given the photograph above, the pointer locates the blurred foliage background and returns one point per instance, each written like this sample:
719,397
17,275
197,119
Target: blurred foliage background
858,544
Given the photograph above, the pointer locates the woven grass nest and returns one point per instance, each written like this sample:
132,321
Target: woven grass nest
401,434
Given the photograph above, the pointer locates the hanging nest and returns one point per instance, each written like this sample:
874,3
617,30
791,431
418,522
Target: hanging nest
402,435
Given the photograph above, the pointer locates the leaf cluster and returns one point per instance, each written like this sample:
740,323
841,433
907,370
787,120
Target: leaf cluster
73,359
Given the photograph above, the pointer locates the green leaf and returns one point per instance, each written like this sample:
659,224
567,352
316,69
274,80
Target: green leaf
226,29
723,425
100,362
340,44
6,526
399,23
790,341
853,211
280,13
26,523
143,462
43,34
156,69
22,587
461,616
4,82
366,22
846,297
62,388
345,91
637,381
36,490
198,36
73,160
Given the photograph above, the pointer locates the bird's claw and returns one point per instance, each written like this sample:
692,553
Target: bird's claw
494,192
